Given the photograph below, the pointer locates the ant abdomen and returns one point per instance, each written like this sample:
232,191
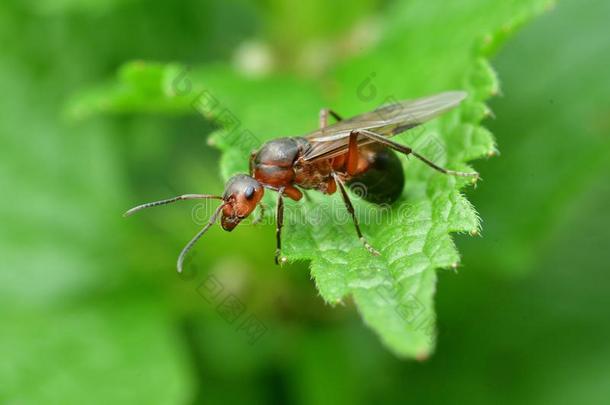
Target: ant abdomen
384,179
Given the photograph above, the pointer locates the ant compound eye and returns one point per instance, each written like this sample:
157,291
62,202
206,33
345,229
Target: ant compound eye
249,193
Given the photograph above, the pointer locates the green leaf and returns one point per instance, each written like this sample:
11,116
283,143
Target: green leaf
424,48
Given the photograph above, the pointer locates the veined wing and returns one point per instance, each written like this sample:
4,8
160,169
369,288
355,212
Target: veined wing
388,121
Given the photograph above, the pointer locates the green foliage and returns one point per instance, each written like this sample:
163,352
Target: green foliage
102,332
557,147
92,310
425,48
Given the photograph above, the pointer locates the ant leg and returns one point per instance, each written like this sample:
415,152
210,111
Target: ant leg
324,117
350,209
279,222
408,151
351,161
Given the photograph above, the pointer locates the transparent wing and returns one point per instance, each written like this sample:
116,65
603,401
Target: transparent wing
388,121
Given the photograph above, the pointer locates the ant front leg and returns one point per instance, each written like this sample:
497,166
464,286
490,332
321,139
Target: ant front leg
279,222
324,117
350,209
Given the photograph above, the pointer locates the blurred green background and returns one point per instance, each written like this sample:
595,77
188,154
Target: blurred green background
92,310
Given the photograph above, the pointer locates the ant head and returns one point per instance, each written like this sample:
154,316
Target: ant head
242,194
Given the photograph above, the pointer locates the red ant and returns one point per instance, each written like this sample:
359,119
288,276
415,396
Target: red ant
356,148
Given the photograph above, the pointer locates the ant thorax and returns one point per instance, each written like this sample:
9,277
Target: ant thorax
316,175
273,163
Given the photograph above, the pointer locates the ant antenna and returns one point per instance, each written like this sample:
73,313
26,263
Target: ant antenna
189,245
169,201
